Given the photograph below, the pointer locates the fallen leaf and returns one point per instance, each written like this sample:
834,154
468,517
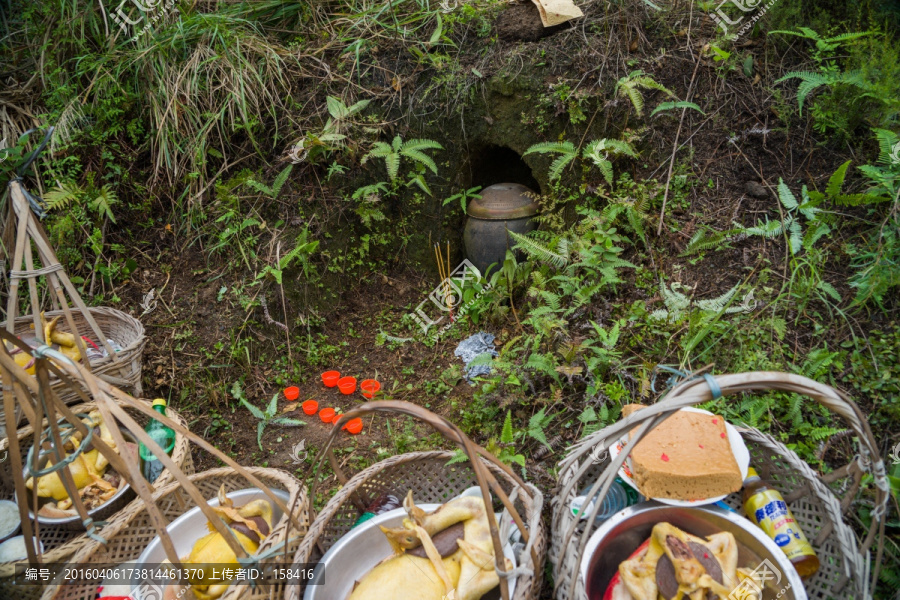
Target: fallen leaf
290,407
395,83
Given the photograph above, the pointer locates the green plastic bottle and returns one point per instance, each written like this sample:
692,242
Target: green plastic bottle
163,436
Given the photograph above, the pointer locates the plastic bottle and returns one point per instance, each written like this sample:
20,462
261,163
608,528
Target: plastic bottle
163,436
616,499
765,506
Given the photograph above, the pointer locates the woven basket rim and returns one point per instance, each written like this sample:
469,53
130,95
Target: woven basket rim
140,332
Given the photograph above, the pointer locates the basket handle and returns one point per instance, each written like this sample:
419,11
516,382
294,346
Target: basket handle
486,480
696,391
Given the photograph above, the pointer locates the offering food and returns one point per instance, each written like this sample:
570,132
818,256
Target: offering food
445,554
64,342
687,457
251,524
674,564
95,481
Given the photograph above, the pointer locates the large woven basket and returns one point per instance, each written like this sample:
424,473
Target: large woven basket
130,532
844,571
124,371
60,542
431,480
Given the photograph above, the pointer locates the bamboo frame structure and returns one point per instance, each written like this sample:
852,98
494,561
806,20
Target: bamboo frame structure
39,400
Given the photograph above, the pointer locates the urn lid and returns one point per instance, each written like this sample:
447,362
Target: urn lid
503,202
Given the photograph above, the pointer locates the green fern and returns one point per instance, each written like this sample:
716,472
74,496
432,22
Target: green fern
275,189
394,152
663,106
566,150
557,256
104,201
678,303
811,80
61,197
706,239
887,146
631,85
599,152
101,201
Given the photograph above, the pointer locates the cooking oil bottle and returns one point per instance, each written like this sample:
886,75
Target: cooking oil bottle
765,506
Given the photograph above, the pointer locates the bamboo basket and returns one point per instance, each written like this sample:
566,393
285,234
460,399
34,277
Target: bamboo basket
122,328
62,542
130,532
36,398
845,560
431,480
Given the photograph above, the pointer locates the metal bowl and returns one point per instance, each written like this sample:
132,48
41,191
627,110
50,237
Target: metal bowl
192,525
620,536
359,551
102,512
8,505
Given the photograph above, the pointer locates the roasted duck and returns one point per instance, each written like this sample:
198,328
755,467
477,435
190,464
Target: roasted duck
434,558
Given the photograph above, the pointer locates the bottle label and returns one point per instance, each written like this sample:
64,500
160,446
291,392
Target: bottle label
769,510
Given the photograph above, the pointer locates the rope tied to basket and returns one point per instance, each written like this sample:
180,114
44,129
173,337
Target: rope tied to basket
36,272
678,376
537,499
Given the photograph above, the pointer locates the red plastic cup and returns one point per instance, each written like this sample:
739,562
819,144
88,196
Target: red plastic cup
337,417
369,387
354,426
292,393
326,414
330,378
310,407
347,385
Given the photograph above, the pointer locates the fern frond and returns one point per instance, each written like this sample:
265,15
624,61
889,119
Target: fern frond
679,104
534,249
795,236
706,240
887,144
814,234
637,99
769,229
788,200
392,163
61,197
104,202
557,166
280,180
636,220
719,303
836,181
420,157
555,147
809,81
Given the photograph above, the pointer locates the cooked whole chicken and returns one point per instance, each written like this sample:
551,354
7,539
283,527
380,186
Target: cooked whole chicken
431,561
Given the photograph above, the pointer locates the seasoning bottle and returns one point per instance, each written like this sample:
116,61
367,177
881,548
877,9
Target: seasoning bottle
163,436
765,506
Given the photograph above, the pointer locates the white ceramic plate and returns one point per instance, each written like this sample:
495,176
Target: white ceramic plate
738,447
